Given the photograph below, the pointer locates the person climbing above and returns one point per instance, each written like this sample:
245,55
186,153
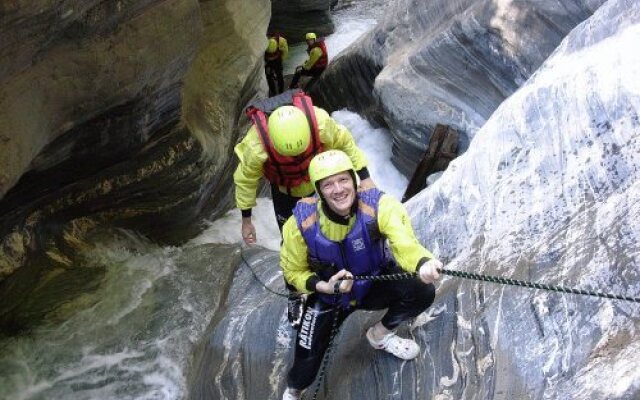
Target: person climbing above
315,64
342,233
276,52
287,132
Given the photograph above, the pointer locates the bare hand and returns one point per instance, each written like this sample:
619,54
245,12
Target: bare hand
248,231
345,285
429,271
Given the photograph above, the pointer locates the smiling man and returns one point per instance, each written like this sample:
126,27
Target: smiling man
341,233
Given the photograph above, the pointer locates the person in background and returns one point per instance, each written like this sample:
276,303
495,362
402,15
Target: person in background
342,233
287,131
276,52
315,64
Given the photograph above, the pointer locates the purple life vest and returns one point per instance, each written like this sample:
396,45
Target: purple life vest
361,252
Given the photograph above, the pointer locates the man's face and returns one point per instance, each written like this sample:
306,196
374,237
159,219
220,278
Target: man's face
339,192
310,42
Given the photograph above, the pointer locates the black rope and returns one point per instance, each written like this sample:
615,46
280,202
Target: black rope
533,285
264,285
495,279
465,275
325,360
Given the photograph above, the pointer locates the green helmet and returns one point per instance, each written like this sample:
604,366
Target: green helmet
310,36
289,130
329,163
272,45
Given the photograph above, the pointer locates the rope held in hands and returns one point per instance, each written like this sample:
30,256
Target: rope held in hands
503,281
472,276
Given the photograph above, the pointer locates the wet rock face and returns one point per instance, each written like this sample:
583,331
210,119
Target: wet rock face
460,58
249,348
98,58
295,18
120,113
548,192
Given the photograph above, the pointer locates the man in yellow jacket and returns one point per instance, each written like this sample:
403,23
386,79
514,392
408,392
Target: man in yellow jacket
342,233
280,147
281,150
315,65
276,52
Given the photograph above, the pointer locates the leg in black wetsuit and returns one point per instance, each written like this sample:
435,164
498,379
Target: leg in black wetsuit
273,72
405,299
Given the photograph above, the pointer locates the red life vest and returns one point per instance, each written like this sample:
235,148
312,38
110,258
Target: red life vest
324,59
287,171
276,54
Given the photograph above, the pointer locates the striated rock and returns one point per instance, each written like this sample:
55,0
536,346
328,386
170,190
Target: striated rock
249,350
121,113
460,58
547,192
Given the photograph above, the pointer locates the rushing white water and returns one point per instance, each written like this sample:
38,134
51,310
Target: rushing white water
351,22
131,337
111,346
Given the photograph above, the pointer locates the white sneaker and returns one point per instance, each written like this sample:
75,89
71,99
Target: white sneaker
292,394
405,349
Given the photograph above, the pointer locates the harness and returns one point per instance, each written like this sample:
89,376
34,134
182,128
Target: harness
361,252
287,171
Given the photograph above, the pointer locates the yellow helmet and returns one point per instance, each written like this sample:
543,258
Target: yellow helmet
329,163
289,130
272,45
310,36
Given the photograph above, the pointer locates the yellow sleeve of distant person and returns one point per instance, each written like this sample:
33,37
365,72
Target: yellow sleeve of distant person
336,136
294,256
395,225
251,156
283,47
314,56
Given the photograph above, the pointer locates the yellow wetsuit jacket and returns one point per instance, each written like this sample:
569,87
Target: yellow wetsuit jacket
314,56
279,46
393,223
283,47
252,156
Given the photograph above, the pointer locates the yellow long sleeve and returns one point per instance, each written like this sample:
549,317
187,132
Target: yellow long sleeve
283,47
394,223
314,56
251,156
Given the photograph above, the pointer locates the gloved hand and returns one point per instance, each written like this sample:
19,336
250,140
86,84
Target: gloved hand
428,272
298,68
